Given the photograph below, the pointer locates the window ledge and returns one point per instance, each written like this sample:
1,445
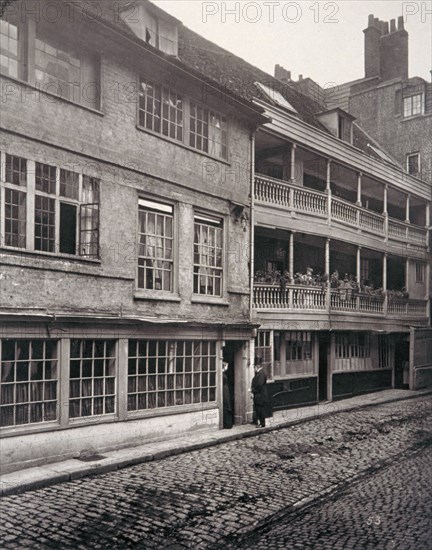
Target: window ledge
52,95
183,145
22,252
156,296
210,300
414,117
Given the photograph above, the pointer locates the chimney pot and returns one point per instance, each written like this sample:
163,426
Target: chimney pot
385,27
400,23
392,25
371,20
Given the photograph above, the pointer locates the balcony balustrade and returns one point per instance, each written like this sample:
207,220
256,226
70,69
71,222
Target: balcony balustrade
275,192
296,298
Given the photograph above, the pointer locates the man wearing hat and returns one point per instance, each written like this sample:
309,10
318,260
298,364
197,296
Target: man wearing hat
260,394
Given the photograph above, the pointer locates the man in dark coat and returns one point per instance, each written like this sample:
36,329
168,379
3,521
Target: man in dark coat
260,394
227,400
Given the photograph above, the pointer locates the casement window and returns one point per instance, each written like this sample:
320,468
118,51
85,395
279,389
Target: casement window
154,30
49,62
170,373
28,382
413,105
92,378
160,110
164,111
66,72
413,163
350,344
298,346
9,49
208,131
419,272
49,209
208,256
156,243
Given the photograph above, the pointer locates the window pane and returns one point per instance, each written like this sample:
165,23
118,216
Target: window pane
208,238
15,218
28,389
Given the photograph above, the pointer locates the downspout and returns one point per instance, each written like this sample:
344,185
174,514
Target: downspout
252,221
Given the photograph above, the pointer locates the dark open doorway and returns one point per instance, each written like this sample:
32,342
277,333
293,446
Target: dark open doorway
402,364
232,354
324,349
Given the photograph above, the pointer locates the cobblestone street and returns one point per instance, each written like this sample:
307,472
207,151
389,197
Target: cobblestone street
390,509
215,496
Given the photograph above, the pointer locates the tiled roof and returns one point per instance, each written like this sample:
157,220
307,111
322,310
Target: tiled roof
238,75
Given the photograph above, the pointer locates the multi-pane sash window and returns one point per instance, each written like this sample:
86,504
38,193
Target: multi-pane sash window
298,346
169,373
15,218
208,255
413,105
160,110
350,344
9,49
208,131
16,170
28,382
155,253
92,380
65,216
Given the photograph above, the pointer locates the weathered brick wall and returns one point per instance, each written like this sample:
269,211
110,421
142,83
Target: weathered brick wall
48,129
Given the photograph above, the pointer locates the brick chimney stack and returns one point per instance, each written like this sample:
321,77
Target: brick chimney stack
386,49
282,74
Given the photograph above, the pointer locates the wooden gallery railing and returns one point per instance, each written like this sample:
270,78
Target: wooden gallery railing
321,299
301,199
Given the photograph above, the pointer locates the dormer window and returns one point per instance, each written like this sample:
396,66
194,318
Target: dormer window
152,26
338,122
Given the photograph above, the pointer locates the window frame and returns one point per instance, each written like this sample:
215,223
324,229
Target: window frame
212,221
187,101
409,98
170,343
410,156
31,195
174,241
420,272
42,424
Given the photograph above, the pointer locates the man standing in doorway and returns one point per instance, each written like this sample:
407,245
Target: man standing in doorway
260,394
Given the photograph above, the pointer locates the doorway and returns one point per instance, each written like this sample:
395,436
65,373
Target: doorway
401,364
233,355
324,350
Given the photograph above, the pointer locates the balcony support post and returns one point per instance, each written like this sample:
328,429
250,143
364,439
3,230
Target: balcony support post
327,271
359,189
291,256
328,190
407,271
358,265
293,163
385,213
407,209
385,284
427,215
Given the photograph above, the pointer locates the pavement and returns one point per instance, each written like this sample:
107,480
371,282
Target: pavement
43,476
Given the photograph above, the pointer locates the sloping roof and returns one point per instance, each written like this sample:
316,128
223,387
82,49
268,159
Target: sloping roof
238,75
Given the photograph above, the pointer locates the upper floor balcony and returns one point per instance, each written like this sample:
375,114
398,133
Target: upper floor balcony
323,299
330,208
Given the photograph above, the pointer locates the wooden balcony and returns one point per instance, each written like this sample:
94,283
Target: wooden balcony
269,191
310,299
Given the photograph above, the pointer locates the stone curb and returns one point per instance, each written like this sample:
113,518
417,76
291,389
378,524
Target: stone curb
71,470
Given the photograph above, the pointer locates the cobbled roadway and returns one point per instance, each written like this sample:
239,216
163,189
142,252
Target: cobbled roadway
212,497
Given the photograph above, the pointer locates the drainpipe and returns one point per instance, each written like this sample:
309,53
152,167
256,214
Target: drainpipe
252,220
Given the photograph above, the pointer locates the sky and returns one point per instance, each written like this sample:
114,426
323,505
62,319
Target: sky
322,40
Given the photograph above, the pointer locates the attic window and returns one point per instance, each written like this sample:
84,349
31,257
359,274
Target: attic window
152,29
275,96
